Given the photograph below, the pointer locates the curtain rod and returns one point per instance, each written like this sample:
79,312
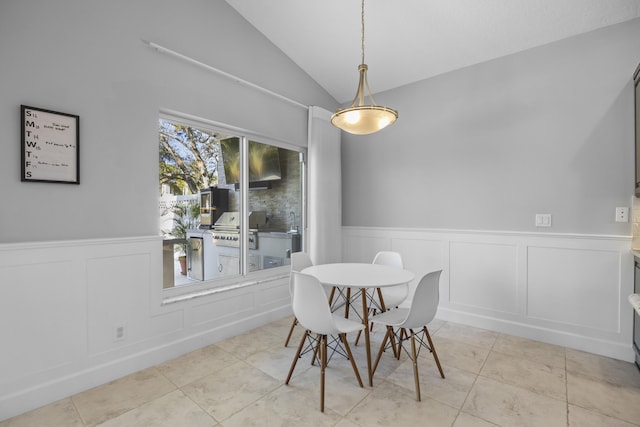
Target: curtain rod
243,82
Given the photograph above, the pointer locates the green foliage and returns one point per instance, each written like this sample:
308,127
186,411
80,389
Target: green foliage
186,217
188,157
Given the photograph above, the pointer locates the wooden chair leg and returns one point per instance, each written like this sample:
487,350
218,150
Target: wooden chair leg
333,291
401,336
359,334
343,338
315,350
323,363
396,349
348,304
360,331
414,356
384,342
433,351
297,356
293,325
392,338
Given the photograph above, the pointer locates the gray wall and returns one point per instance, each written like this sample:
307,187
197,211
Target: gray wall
548,130
87,58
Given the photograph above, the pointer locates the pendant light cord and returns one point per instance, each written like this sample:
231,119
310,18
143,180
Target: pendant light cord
362,16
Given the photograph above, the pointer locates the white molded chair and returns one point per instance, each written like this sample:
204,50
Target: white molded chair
311,308
392,296
413,319
299,261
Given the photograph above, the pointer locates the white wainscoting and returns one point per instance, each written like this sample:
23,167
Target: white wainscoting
569,290
62,301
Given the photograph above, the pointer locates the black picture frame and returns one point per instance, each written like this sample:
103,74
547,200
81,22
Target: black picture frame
50,146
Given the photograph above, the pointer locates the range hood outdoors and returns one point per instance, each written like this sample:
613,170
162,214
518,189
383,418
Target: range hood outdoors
255,185
264,163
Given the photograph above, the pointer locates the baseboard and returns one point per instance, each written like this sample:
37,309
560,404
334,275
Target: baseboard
611,349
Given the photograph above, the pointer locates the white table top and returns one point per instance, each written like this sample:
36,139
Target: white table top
359,275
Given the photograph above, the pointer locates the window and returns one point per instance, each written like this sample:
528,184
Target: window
231,203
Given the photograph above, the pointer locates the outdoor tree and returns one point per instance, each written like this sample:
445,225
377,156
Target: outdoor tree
188,157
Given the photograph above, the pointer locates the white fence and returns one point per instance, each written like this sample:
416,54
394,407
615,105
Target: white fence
165,208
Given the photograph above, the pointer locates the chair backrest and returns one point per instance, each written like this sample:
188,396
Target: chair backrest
425,301
310,304
396,294
393,259
299,261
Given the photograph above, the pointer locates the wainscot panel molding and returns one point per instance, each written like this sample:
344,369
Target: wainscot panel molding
564,289
62,302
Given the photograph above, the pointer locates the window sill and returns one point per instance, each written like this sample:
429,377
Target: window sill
242,282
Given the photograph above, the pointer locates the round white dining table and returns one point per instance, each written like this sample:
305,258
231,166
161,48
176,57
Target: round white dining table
361,276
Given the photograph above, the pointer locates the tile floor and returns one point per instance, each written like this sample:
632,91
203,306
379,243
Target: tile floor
492,379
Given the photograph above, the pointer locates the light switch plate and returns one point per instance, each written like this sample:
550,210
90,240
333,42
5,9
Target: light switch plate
543,220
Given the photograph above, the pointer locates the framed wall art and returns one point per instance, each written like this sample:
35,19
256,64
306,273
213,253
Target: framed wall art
50,146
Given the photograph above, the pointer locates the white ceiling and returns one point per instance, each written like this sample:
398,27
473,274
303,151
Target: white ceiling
410,40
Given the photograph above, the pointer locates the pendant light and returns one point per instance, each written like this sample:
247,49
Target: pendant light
362,119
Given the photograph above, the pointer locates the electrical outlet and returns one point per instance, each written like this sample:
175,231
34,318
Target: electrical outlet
543,220
622,214
119,333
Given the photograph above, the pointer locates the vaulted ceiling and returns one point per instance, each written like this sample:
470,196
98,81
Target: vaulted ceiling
410,40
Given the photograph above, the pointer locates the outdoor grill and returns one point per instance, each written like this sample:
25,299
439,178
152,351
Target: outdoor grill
226,230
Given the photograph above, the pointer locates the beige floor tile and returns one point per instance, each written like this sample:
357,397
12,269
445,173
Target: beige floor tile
508,405
466,420
376,337
580,417
435,325
604,368
243,346
536,351
451,390
228,391
507,383
173,409
280,328
467,334
60,413
533,376
297,334
617,401
117,397
285,406
276,363
342,391
387,365
346,423
390,405
197,364
459,354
